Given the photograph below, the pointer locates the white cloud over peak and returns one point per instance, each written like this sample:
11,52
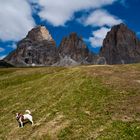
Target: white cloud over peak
15,19
58,12
97,37
101,18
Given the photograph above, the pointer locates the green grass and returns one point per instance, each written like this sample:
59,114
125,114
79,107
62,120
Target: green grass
75,103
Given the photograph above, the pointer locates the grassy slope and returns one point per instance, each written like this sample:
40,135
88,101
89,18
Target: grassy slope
80,103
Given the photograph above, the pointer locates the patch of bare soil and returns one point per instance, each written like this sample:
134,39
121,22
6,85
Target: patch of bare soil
51,128
127,110
12,134
98,131
116,76
138,81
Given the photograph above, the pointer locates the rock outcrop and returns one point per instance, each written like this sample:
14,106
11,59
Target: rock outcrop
121,46
73,49
66,61
4,64
37,48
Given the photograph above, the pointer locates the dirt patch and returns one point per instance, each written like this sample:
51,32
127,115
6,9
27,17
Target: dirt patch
127,109
51,128
114,76
12,134
138,81
123,118
99,130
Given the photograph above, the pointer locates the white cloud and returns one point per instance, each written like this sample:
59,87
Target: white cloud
34,6
58,12
97,39
100,18
13,45
1,49
15,19
3,56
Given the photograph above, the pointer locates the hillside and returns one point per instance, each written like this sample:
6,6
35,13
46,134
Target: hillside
74,103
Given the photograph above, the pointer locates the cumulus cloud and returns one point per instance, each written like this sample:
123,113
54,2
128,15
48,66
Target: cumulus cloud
1,49
97,37
16,19
100,18
58,12
13,45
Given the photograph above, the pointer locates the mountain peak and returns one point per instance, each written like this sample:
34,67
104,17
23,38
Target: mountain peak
121,46
39,33
75,48
37,48
73,35
121,25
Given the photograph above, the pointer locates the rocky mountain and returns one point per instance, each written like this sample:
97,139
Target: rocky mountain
74,51
121,46
37,48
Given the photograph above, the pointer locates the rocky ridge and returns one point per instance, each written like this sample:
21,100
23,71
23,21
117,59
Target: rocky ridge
121,46
73,49
38,48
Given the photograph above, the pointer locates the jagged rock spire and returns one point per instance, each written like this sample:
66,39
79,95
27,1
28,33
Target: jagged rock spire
121,46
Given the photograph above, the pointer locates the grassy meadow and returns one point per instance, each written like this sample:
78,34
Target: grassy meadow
71,103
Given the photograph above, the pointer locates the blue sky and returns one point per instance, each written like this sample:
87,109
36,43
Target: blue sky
91,19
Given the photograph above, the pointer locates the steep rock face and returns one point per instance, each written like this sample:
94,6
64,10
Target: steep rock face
73,48
37,48
121,46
